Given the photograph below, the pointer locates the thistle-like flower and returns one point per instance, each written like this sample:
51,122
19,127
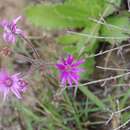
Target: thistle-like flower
11,83
11,30
69,70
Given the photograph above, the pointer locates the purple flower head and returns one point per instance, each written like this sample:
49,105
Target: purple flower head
69,70
11,30
11,83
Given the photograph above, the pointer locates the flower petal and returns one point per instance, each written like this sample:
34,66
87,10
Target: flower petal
77,70
5,93
4,23
63,77
3,74
70,81
75,79
70,59
19,32
16,92
79,62
9,37
60,66
16,76
17,19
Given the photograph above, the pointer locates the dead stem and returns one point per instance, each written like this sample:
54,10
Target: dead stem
110,50
113,69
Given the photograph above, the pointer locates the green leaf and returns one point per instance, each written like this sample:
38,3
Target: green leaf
28,123
125,117
70,49
28,112
89,68
125,98
97,7
92,7
68,39
92,97
111,6
117,28
56,16
73,13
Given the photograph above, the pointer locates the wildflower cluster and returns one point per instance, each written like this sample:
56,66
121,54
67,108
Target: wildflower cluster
69,70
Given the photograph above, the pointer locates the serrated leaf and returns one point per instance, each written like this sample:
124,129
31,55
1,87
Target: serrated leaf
117,30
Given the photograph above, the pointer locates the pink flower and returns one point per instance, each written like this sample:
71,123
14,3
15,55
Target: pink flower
11,30
69,70
11,83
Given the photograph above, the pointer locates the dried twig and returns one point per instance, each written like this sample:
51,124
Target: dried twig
110,50
128,2
117,112
105,79
123,125
113,69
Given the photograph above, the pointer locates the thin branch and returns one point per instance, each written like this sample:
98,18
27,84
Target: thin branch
114,113
33,61
122,110
105,79
128,2
109,119
96,36
123,125
114,69
109,25
104,52
118,85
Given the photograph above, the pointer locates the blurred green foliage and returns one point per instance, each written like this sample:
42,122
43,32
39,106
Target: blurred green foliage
75,14
92,21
